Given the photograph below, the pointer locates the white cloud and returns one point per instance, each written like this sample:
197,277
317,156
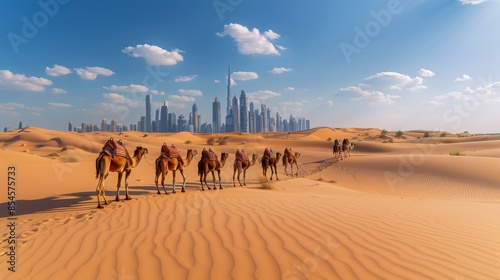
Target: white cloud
185,78
180,98
11,81
60,105
216,81
374,97
463,78
329,103
191,92
289,88
90,73
57,70
12,109
244,76
262,94
471,2
251,41
394,81
116,98
156,92
281,47
432,103
426,73
58,91
155,55
132,88
280,70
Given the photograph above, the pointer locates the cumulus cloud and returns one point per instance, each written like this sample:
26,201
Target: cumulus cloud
471,2
11,81
329,103
251,41
180,98
280,70
57,70
90,73
185,78
426,73
244,76
262,94
132,88
394,81
58,91
216,81
155,55
116,98
463,78
373,97
191,92
157,92
432,103
60,105
289,88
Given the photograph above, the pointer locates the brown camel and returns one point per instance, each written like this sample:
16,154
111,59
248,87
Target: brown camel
164,164
337,150
106,163
291,159
271,162
206,166
243,165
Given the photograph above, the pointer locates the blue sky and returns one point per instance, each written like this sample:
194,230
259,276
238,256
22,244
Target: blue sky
386,64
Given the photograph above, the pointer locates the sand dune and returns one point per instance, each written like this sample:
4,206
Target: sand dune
393,210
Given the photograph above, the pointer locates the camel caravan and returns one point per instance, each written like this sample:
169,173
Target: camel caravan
114,157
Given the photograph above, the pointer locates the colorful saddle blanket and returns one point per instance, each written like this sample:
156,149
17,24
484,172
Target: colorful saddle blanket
114,148
241,155
168,152
287,153
208,155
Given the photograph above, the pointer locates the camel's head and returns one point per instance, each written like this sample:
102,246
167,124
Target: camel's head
139,150
297,154
255,156
224,156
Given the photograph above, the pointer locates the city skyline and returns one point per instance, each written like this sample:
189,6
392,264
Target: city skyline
395,65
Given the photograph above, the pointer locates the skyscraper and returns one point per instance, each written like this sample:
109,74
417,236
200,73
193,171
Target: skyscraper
264,120
70,126
147,125
113,126
236,115
156,127
251,119
195,120
216,117
104,125
228,109
164,118
243,112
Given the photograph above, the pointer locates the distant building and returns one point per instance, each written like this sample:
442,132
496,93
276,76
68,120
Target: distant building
243,112
147,121
216,116
70,126
164,118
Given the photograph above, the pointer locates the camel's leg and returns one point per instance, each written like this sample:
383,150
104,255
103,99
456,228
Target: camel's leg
213,179
234,173
127,173
183,180
173,181
99,190
244,177
163,175
297,169
220,181
202,174
118,185
157,175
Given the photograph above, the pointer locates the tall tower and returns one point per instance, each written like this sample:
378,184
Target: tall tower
251,119
243,112
147,125
228,108
164,118
216,116
236,115
195,120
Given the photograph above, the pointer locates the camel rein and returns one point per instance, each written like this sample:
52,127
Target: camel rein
148,160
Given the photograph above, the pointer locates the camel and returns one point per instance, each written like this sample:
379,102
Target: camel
271,162
337,150
347,146
163,165
106,163
206,166
243,165
291,159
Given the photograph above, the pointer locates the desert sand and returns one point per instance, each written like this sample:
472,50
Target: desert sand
407,208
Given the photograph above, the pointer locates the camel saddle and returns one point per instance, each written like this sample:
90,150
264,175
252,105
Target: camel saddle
287,153
114,148
208,155
241,155
267,154
169,152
